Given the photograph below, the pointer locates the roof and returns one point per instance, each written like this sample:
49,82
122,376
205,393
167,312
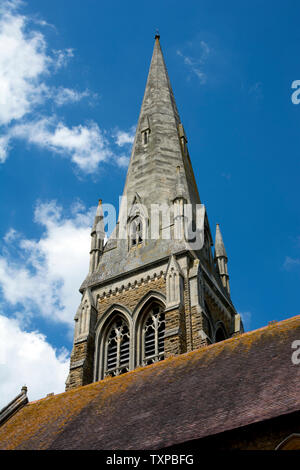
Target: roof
240,381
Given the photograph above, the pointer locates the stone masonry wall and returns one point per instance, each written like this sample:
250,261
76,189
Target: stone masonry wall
183,333
83,356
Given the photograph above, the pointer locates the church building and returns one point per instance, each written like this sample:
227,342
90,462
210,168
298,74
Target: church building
149,297
160,359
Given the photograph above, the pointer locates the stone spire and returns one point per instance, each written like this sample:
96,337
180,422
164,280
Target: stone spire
157,265
160,173
221,259
219,244
160,144
179,188
97,238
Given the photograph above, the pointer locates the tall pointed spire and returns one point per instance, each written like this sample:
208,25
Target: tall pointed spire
97,238
219,244
157,263
221,259
160,143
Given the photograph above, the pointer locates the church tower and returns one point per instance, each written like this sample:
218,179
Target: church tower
154,289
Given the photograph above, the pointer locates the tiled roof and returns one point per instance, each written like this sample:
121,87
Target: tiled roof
243,380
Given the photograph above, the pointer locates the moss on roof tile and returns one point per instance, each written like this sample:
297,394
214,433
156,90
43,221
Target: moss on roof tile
185,396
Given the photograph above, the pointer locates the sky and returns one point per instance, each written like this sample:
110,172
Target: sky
72,78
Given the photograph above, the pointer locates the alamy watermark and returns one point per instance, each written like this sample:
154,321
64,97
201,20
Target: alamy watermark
295,97
296,353
138,223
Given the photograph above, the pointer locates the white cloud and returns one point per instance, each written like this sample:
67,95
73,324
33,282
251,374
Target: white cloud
246,318
290,263
25,66
85,145
42,277
64,96
227,176
26,358
123,161
10,236
4,147
61,57
196,64
23,61
123,138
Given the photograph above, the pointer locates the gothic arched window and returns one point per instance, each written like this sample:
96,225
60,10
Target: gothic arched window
136,231
153,333
117,348
145,136
220,334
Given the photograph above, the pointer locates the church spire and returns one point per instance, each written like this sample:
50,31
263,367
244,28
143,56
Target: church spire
221,259
219,244
150,289
97,238
160,144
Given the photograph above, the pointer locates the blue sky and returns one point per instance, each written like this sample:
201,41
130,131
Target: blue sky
72,77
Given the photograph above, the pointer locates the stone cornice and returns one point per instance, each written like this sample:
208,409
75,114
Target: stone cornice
15,405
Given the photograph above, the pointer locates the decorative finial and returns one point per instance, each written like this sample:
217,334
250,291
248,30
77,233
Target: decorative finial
157,35
24,389
100,202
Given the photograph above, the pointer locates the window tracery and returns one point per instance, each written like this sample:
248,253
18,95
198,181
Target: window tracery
153,335
136,231
117,348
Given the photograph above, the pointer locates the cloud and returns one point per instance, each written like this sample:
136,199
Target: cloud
10,236
23,62
64,96
26,66
291,263
246,318
123,138
61,57
41,278
196,64
4,147
26,358
256,91
84,145
123,161
227,176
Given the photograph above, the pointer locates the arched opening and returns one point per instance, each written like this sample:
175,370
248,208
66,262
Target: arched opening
117,348
292,442
220,334
152,335
136,231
